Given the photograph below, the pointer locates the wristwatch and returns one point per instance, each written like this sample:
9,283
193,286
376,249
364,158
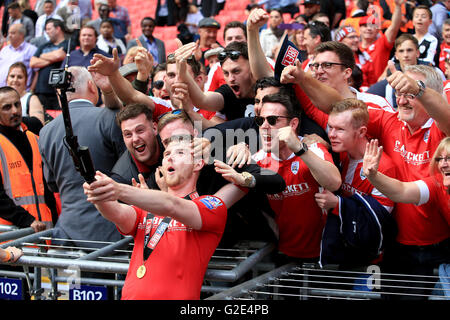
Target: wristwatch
421,88
249,179
302,150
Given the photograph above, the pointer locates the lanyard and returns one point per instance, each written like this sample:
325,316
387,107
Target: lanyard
150,243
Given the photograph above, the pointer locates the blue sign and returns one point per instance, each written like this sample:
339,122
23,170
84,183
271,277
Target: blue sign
10,289
88,293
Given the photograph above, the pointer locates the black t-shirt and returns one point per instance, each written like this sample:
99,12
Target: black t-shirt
233,107
42,85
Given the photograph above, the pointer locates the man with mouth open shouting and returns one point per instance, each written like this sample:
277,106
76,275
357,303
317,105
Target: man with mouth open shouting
175,232
234,99
305,169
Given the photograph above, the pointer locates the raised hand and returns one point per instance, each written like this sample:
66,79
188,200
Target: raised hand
141,184
228,173
372,157
401,82
101,81
288,136
144,61
292,73
238,155
257,19
102,189
104,65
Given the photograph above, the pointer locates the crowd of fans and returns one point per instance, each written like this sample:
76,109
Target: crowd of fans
339,156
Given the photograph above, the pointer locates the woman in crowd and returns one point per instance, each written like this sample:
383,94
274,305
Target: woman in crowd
433,194
17,79
433,190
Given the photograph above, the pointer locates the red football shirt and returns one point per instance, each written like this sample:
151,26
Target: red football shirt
300,220
444,52
321,118
379,52
411,154
177,265
435,202
447,90
161,107
354,180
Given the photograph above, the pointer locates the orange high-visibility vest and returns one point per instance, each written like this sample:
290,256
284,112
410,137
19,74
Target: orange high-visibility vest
24,186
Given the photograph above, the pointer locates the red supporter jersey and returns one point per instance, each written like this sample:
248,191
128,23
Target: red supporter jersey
372,101
445,50
447,90
436,202
364,62
379,52
305,65
177,265
215,78
299,218
354,180
411,154
161,107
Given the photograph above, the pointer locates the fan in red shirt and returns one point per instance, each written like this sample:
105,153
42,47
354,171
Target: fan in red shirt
305,170
332,69
409,136
347,128
432,195
445,46
349,36
377,45
170,256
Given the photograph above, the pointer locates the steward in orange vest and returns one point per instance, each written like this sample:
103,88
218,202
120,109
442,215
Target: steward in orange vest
22,180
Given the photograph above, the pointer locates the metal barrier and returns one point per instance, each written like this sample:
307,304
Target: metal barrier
56,266
54,271
309,282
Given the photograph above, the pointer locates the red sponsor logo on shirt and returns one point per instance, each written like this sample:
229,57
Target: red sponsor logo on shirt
289,57
290,191
411,157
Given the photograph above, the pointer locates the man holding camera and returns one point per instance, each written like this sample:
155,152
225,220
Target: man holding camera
96,129
47,57
175,232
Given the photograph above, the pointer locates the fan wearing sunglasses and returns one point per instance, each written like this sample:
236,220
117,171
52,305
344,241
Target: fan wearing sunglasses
234,99
305,169
158,88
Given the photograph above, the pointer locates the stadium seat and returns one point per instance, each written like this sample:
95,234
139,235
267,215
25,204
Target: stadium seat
235,5
171,45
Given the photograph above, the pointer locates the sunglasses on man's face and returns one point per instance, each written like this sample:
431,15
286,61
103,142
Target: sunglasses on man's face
271,120
159,84
234,55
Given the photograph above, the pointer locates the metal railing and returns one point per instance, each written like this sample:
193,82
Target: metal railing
227,265
310,282
241,272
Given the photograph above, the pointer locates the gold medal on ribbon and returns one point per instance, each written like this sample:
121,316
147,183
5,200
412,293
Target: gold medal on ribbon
141,271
